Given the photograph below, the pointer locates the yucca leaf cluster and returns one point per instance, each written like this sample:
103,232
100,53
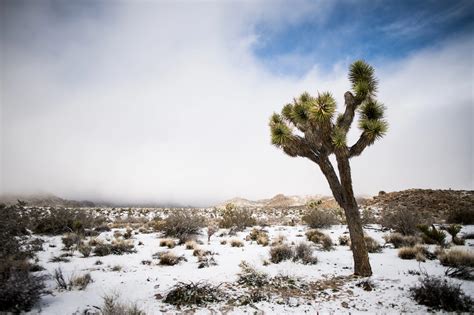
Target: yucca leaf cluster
311,126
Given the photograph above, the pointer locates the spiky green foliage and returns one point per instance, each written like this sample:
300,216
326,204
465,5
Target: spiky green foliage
324,107
281,133
338,137
363,80
300,113
372,110
373,129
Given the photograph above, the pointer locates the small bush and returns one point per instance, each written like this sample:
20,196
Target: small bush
263,240
59,259
235,218
439,294
250,277
169,259
190,245
304,253
456,258
280,253
372,245
167,242
400,220
278,240
399,240
80,282
58,221
236,243
453,230
85,250
71,239
182,225
417,252
320,238
193,294
431,235
112,306
211,230
318,218
117,268
344,240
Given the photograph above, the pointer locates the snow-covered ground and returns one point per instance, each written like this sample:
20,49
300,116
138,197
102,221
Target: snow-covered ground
139,283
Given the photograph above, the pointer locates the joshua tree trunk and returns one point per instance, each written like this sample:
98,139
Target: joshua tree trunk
308,128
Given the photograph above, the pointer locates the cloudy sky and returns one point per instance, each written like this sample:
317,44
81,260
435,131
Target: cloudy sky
169,101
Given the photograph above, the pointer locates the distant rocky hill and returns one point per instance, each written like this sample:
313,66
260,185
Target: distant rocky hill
278,201
45,200
425,202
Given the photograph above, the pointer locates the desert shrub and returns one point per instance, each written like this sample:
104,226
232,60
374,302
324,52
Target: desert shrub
250,277
167,242
71,239
304,253
236,218
211,230
399,240
223,242
319,218
112,306
117,247
368,216
236,243
457,258
19,288
190,245
278,240
344,240
193,294
85,250
205,261
461,216
256,233
320,238
59,259
117,268
128,234
431,235
263,240
280,253
80,282
58,277
417,252
58,221
169,259
182,225
439,294
372,245
400,220
461,272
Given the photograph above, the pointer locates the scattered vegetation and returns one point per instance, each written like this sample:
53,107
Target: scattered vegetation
191,245
320,238
250,277
372,245
236,218
344,240
399,240
117,247
188,294
279,253
58,221
453,230
464,215
170,259
80,282
236,243
85,250
439,294
456,258
71,239
418,252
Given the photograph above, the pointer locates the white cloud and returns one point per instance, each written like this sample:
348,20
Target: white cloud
168,103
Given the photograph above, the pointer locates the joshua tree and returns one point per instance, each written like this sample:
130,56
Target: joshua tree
309,128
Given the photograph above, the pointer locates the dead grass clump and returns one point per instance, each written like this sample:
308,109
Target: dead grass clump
236,243
193,294
263,240
344,240
167,242
71,239
399,240
112,306
320,238
418,252
80,282
456,258
304,253
170,259
117,247
278,240
280,253
190,245
59,259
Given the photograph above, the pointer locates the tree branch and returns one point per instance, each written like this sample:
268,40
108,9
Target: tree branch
331,176
348,116
363,142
